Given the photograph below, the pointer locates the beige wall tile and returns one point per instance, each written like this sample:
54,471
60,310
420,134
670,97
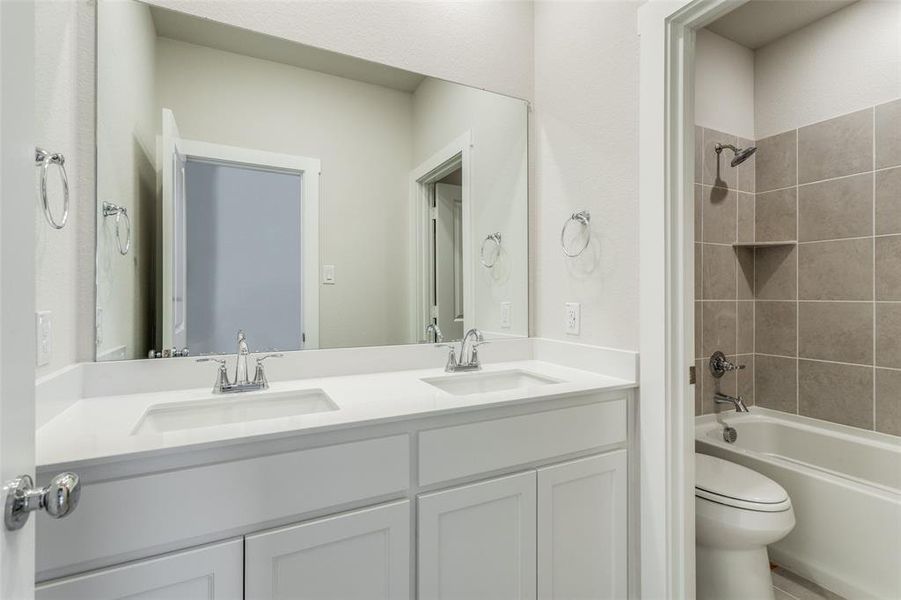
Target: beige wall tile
775,328
888,267
776,162
888,401
699,270
718,215
745,273
775,215
699,157
888,134
747,171
719,327
699,207
837,147
745,378
745,217
888,201
838,208
840,270
835,392
888,335
775,272
699,385
775,382
719,272
698,329
838,331
717,170
744,323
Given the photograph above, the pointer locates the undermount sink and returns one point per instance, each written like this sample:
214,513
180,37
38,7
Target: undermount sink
464,384
239,408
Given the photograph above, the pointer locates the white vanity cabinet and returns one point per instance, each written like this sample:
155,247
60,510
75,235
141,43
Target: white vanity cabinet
361,555
583,528
213,572
478,541
568,521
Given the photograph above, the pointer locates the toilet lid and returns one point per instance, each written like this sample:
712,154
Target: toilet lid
731,484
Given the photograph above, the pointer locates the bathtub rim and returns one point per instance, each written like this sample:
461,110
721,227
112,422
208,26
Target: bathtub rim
884,441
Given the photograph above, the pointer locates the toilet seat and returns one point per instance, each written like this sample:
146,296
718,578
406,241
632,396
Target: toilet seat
731,484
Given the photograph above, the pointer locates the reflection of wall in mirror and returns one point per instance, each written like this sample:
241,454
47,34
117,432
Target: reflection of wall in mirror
126,149
442,111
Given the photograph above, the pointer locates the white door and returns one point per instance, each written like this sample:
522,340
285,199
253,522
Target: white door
18,203
362,555
582,528
212,572
477,542
449,259
174,256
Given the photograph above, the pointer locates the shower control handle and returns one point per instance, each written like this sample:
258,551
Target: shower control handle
720,365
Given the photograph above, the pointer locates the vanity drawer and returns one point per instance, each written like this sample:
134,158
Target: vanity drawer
464,450
167,511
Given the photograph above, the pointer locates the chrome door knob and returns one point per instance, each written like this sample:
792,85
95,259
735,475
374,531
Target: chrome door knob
58,498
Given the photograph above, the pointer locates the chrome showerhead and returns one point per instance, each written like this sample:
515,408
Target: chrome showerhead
740,154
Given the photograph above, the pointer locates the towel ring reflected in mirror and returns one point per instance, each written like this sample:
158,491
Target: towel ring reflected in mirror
44,159
121,214
495,239
582,217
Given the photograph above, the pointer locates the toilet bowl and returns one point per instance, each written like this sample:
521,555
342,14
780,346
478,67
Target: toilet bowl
738,512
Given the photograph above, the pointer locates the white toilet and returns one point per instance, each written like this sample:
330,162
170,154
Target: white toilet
738,512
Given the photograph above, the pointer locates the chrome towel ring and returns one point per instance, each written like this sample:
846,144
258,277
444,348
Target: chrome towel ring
494,238
584,218
110,209
44,159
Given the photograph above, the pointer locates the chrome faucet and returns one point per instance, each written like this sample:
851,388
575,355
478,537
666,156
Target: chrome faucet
469,354
433,330
242,383
738,403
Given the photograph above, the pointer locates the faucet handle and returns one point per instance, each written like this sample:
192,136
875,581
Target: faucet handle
221,361
222,381
265,356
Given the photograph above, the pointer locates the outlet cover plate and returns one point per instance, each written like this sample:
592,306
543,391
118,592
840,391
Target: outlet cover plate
506,309
572,318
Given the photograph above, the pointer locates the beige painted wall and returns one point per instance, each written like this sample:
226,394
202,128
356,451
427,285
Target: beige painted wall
847,61
362,135
443,111
126,142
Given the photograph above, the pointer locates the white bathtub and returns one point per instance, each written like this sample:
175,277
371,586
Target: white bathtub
845,487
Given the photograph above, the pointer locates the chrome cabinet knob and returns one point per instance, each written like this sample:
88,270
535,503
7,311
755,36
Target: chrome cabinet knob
58,498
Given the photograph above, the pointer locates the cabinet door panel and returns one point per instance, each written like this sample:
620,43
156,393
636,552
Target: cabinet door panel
210,572
363,554
478,541
582,528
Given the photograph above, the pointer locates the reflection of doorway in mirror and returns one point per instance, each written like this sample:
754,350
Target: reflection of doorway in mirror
240,247
447,263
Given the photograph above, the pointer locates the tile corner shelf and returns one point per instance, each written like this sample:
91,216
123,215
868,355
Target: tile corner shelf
764,244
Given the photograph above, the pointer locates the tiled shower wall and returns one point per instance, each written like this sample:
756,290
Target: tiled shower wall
724,291
826,313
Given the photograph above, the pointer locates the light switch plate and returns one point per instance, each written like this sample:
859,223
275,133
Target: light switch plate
328,274
506,309
43,337
573,318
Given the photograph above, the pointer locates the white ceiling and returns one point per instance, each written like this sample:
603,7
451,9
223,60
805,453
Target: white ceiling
760,22
204,32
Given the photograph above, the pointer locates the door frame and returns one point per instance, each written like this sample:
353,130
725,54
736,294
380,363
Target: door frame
457,154
666,229
311,171
18,196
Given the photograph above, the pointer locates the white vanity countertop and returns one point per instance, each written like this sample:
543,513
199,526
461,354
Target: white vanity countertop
99,429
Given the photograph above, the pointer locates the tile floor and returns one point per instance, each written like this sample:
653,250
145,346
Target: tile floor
789,586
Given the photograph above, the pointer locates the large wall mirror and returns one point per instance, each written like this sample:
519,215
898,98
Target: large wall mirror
311,199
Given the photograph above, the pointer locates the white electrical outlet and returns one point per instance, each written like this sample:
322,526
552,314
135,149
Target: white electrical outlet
43,337
573,318
506,308
328,274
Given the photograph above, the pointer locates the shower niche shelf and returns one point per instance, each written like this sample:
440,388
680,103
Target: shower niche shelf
764,244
